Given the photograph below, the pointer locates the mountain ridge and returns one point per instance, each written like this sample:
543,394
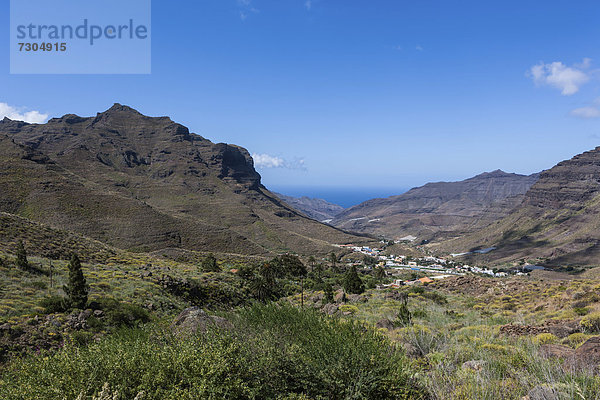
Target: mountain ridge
139,182
439,209
556,224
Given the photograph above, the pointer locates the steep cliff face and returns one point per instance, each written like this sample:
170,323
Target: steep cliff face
558,222
568,185
439,209
147,183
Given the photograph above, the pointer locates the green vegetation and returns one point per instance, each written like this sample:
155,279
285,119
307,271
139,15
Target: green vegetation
433,341
209,264
352,282
273,352
77,288
591,323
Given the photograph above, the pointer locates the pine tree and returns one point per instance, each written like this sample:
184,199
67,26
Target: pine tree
77,288
22,256
352,282
328,295
379,273
333,260
311,262
404,314
209,264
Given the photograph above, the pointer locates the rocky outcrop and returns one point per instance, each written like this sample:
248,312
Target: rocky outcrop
547,392
568,185
557,351
560,329
522,330
588,354
194,320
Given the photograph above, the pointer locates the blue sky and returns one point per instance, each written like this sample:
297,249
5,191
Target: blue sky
357,94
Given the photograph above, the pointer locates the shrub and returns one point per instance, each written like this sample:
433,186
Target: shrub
591,322
81,338
581,310
435,297
545,338
347,308
53,304
121,313
22,256
38,285
209,264
575,339
328,293
273,352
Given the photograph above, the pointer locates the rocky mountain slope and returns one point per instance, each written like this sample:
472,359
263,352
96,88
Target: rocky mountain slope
441,209
556,224
318,209
144,183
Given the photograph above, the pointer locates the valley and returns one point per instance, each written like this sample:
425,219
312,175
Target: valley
127,234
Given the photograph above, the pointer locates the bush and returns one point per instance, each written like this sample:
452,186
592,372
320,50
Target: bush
274,352
575,339
545,338
591,323
435,297
347,308
209,264
581,310
53,304
121,313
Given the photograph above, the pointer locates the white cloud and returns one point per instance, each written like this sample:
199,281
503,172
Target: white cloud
308,4
246,9
268,161
586,112
419,47
556,74
19,114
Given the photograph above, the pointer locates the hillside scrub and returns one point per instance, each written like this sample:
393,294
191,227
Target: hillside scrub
272,352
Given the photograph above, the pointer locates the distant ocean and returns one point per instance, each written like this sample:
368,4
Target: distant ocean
345,197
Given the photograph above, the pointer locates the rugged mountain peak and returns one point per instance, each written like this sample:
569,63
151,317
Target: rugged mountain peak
494,174
143,182
116,108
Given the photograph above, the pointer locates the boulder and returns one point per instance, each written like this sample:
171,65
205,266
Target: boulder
330,308
194,320
340,296
385,324
546,392
411,350
589,351
474,365
356,298
522,330
563,328
556,351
